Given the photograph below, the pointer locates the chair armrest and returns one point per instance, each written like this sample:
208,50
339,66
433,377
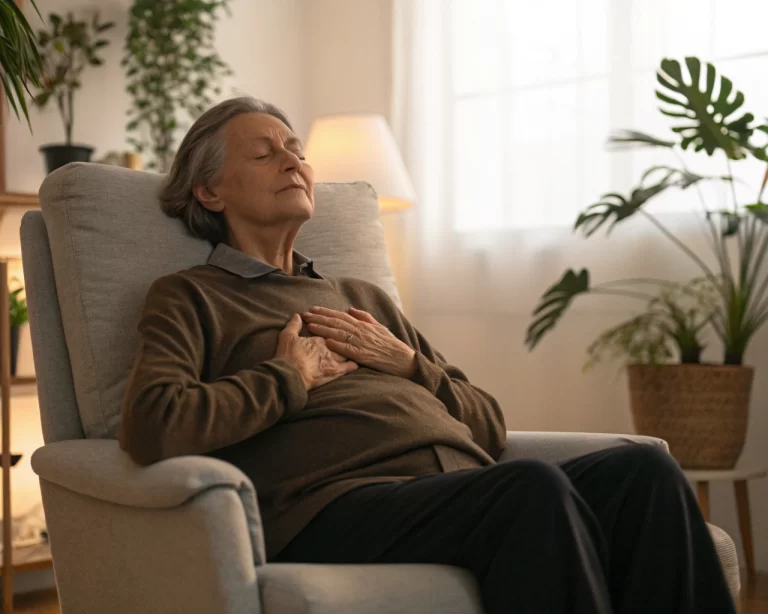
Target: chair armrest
98,468
558,447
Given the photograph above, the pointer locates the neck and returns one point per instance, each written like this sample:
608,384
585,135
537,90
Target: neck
273,248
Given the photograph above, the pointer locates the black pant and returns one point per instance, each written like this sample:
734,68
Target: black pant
615,531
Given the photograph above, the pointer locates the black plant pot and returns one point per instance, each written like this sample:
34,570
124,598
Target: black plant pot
59,155
14,348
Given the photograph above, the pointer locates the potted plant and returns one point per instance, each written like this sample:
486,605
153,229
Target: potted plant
171,66
67,48
19,317
20,61
700,409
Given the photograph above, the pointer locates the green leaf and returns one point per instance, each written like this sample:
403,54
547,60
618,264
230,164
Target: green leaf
713,122
20,60
616,207
42,98
634,137
682,178
759,210
554,303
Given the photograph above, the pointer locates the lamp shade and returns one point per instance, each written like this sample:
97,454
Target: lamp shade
360,147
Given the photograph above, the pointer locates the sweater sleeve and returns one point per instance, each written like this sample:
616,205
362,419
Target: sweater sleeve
465,402
168,410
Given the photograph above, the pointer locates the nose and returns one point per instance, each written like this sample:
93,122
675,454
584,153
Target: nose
291,162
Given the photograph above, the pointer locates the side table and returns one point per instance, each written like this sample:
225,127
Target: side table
739,477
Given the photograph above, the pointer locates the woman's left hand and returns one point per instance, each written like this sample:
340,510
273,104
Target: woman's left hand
359,337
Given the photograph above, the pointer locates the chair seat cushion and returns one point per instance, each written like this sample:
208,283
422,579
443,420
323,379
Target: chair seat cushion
288,588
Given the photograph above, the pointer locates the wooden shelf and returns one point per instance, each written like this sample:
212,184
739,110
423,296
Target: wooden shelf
23,380
31,558
19,200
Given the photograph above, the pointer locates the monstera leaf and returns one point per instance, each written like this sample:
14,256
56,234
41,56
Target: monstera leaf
681,177
554,303
617,207
629,138
713,122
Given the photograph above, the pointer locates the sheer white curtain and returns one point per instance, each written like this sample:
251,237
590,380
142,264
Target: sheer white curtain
503,109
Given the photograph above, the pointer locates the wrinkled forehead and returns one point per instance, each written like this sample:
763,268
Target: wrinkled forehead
250,127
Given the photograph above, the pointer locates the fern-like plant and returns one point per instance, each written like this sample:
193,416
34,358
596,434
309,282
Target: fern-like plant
20,62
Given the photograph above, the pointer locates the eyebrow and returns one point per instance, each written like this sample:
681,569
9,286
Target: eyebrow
294,140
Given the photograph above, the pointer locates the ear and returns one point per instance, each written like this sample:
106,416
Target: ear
209,199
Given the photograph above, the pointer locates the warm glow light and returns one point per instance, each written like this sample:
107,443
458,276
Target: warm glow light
360,147
10,223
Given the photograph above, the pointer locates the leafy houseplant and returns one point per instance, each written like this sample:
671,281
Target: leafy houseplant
19,316
172,68
20,61
731,297
67,48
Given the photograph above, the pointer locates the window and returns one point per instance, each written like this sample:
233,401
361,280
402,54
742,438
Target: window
536,87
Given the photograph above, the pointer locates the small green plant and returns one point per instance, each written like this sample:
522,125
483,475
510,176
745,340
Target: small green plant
20,61
669,329
18,308
67,48
172,70
732,298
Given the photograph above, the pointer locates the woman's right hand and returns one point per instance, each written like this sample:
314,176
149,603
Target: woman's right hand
317,364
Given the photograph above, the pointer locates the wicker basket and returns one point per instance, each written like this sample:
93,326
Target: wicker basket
700,410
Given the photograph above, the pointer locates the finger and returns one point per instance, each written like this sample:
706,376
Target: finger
330,322
328,332
337,357
349,366
345,349
294,326
363,316
332,313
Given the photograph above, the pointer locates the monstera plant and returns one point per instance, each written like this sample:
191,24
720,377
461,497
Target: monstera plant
705,425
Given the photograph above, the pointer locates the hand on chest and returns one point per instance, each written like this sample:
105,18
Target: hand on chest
252,336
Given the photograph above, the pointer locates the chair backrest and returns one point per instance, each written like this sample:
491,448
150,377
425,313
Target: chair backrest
102,240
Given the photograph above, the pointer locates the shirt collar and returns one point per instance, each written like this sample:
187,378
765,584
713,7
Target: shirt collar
240,263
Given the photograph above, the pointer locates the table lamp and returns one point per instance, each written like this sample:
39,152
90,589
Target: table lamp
360,147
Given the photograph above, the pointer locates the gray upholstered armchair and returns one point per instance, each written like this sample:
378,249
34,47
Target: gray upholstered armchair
184,535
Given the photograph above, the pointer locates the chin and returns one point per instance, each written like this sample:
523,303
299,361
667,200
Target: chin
301,207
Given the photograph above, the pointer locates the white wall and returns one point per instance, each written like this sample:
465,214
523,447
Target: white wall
262,41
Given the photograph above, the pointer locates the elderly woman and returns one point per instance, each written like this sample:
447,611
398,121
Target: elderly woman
364,445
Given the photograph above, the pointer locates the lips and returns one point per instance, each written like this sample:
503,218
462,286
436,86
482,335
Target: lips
293,186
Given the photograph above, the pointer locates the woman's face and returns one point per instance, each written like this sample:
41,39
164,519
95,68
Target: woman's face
265,180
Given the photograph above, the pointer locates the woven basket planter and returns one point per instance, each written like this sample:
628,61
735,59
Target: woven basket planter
700,410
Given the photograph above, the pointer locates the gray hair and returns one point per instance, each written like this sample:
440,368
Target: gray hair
199,162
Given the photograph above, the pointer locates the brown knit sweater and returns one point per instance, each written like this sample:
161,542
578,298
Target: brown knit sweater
205,381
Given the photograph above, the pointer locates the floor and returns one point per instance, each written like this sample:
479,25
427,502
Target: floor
754,599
